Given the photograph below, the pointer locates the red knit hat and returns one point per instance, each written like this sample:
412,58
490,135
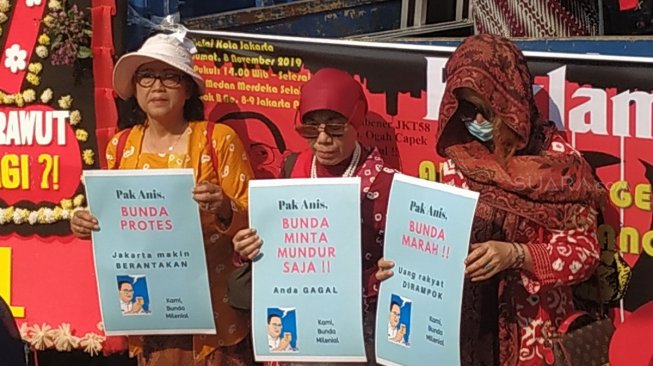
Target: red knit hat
334,90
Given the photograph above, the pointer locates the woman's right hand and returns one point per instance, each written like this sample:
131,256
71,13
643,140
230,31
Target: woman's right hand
83,223
385,269
247,243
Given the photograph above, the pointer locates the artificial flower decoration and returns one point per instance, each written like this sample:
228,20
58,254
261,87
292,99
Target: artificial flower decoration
33,79
48,20
8,99
78,200
67,204
4,6
75,117
29,95
81,135
65,102
44,39
46,96
54,5
35,67
71,30
88,156
15,58
20,102
42,51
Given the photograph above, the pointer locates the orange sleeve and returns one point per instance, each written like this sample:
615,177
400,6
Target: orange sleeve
234,174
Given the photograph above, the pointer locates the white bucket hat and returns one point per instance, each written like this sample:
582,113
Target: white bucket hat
160,47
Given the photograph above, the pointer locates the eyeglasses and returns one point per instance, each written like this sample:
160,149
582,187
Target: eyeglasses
276,325
395,313
169,79
127,291
469,110
311,131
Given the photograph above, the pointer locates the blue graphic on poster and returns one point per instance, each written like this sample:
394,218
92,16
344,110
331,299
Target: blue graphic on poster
307,281
149,252
133,293
399,320
282,330
427,237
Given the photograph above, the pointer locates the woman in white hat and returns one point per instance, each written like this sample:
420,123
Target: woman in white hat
170,133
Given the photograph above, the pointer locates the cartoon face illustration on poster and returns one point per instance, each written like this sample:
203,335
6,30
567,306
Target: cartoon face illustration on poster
133,295
282,329
262,138
399,320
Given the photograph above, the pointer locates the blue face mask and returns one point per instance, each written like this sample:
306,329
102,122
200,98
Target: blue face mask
480,130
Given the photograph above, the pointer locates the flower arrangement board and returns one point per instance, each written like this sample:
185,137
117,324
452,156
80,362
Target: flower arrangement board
49,89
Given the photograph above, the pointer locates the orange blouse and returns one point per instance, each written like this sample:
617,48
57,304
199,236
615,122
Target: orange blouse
233,175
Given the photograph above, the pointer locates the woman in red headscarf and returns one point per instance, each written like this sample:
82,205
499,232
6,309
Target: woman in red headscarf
534,231
332,109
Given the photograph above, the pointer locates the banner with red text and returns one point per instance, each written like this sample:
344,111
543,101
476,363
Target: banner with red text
48,136
603,104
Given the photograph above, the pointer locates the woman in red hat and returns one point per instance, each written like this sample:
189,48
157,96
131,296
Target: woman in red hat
332,109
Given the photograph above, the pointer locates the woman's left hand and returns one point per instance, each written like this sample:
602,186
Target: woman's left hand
489,258
211,199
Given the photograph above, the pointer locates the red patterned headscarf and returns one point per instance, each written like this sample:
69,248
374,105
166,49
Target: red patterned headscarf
494,67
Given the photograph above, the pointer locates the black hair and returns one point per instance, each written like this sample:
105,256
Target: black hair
122,283
273,316
393,303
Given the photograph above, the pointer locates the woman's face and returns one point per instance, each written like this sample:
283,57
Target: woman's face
161,90
334,139
472,107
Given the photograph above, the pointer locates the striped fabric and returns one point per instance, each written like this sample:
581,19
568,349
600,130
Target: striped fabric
537,18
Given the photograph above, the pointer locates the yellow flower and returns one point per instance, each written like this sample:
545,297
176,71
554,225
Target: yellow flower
88,156
57,212
46,96
40,214
81,135
35,67
42,51
29,95
54,5
78,200
65,102
33,79
44,39
4,6
19,100
3,18
9,213
8,99
75,117
21,215
67,204
48,20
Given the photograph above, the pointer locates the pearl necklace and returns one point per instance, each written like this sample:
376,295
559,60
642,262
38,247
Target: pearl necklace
356,157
